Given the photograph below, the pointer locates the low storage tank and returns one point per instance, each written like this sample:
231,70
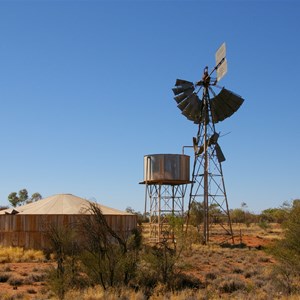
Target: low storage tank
166,168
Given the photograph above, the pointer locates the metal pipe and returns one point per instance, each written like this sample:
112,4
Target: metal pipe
186,147
146,181
206,215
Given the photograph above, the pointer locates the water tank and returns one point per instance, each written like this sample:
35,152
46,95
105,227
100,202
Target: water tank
166,168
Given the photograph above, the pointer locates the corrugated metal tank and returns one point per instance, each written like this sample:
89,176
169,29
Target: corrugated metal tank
28,231
166,168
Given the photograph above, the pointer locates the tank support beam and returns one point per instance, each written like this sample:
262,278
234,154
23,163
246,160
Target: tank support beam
166,202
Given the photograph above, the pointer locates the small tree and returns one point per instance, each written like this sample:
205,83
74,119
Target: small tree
287,251
237,215
140,217
21,198
34,197
13,199
63,244
163,262
196,213
109,257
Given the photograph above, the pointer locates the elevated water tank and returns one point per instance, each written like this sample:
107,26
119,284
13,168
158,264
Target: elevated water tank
166,169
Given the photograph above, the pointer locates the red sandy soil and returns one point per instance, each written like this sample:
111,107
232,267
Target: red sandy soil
254,241
32,290
23,270
251,241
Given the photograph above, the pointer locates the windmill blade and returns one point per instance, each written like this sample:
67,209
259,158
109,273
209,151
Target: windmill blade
193,108
182,86
183,95
182,81
213,139
184,103
195,144
210,141
219,153
188,101
224,105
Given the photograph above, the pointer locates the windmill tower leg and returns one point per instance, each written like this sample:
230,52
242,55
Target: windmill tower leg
209,189
208,184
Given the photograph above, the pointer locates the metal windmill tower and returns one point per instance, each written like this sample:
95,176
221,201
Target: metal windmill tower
208,186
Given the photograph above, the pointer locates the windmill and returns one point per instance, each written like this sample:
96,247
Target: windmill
200,104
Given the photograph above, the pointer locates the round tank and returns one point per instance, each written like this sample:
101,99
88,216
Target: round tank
166,168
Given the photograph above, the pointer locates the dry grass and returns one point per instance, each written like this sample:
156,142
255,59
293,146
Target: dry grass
97,293
224,273
17,254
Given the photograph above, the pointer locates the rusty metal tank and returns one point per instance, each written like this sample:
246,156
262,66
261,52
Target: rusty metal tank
166,168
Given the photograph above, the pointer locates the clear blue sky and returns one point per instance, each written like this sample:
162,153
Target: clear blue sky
85,93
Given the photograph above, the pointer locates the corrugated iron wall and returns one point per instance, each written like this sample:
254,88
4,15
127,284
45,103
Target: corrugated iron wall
28,231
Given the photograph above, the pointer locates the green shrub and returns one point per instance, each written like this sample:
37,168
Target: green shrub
286,273
263,224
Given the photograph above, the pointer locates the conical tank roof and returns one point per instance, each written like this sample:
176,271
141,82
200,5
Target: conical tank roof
61,204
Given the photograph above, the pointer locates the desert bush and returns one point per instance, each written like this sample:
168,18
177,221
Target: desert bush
7,268
160,261
210,276
264,224
103,256
15,280
8,254
35,277
286,273
250,273
108,258
32,255
146,279
71,278
4,277
264,259
284,279
16,296
237,270
230,285
31,291
259,282
183,281
65,249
